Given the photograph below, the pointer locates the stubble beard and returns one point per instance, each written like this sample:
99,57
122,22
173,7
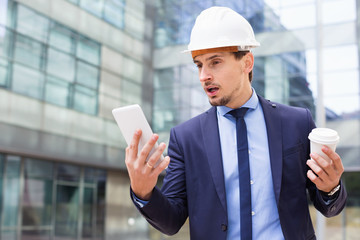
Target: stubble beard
225,100
221,102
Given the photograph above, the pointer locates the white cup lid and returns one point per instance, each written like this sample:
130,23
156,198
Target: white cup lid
324,136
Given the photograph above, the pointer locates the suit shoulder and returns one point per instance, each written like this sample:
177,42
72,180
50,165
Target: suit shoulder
286,109
195,121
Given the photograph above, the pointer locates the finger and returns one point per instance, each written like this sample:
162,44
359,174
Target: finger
144,153
316,169
127,159
326,165
162,166
155,157
334,157
315,179
133,147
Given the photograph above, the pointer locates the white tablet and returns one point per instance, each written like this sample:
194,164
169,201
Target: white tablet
130,118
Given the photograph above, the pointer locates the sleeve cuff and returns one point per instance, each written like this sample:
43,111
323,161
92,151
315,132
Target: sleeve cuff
141,203
329,198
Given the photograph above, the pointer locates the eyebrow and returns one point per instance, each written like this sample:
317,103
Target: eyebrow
209,58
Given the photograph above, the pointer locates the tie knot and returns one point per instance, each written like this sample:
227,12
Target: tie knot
239,113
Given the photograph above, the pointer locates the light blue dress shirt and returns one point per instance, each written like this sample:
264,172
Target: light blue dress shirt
265,217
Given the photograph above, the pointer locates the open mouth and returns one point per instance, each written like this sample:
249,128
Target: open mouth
212,90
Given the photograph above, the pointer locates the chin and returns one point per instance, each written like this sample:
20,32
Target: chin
219,102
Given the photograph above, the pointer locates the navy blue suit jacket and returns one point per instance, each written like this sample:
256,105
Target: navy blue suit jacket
194,183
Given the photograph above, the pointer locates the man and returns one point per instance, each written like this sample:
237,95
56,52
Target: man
226,192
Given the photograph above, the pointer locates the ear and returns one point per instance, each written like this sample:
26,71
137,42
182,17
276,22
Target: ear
249,62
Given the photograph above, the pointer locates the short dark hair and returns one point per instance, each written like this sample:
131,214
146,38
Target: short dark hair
239,55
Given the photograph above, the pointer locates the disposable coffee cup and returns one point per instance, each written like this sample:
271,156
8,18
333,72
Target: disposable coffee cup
320,137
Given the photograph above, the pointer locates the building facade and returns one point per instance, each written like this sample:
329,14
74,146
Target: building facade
65,64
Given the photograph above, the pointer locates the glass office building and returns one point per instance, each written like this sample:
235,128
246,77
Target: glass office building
65,64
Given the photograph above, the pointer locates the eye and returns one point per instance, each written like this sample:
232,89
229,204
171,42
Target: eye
215,62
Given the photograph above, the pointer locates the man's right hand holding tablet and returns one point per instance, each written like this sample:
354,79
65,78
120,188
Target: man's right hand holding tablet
144,174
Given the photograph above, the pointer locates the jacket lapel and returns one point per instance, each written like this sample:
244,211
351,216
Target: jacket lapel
211,138
274,132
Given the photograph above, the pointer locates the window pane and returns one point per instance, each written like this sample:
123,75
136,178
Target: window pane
39,169
4,66
27,81
93,6
5,40
68,173
8,235
67,210
100,204
57,91
32,24
62,38
35,235
37,202
88,206
61,65
85,100
88,50
37,196
114,12
87,75
89,175
11,192
5,13
28,51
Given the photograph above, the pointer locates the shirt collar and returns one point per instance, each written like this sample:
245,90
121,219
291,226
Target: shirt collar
252,103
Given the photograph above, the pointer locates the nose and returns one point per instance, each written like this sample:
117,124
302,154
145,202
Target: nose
204,74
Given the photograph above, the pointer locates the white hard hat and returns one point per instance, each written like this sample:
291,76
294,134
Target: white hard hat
218,27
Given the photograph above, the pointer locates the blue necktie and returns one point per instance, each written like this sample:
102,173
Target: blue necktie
244,173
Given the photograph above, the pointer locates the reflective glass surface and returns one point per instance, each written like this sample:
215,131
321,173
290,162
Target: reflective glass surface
85,99
4,69
61,65
67,212
11,193
28,51
114,12
87,75
62,38
100,204
37,195
66,172
27,81
50,205
93,6
5,41
88,50
32,24
88,206
57,91
9,234
36,235
40,46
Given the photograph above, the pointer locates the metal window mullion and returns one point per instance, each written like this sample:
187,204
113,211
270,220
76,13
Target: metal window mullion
3,194
94,211
53,210
21,194
81,205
